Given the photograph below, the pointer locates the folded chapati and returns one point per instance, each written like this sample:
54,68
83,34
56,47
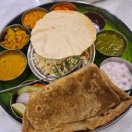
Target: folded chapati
87,124
82,100
61,34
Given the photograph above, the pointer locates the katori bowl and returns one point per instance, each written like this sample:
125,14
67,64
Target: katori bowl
97,19
21,38
64,6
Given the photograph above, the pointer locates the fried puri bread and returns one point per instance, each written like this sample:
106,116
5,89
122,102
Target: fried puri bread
81,95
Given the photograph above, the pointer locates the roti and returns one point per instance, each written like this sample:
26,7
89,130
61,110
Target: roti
78,96
102,99
60,34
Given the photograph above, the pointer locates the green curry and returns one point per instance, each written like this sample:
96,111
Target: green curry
110,43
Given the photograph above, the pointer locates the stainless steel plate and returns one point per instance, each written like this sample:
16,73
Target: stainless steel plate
82,7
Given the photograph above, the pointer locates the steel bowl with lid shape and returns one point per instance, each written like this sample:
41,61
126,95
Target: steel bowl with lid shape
91,52
111,43
97,19
30,17
13,66
14,37
26,90
64,6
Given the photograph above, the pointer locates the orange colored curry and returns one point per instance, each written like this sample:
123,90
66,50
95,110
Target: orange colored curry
61,8
12,64
31,18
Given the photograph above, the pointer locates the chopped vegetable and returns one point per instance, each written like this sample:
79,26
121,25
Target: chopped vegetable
23,98
67,67
55,70
69,62
86,56
57,74
28,89
14,29
75,57
38,84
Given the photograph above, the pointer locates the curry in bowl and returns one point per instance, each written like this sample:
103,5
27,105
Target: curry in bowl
12,63
14,37
111,43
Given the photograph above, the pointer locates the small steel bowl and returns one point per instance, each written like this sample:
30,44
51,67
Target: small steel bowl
70,6
31,10
32,66
14,96
4,32
97,19
114,33
119,60
24,73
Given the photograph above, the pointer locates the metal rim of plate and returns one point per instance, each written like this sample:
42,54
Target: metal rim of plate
109,15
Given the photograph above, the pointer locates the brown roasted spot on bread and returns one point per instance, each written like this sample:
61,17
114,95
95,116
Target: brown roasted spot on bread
94,86
39,108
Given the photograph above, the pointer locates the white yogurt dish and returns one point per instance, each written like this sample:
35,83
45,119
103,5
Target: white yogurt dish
119,71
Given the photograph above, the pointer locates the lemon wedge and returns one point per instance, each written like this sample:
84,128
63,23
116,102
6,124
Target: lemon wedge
19,108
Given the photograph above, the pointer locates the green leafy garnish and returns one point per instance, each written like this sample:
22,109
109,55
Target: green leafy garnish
55,70
75,57
68,62
57,74
14,29
68,67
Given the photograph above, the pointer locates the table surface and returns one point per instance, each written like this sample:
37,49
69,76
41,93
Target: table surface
11,8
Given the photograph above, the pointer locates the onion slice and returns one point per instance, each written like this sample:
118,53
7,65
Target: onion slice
23,98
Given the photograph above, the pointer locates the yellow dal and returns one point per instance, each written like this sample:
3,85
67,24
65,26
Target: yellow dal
12,64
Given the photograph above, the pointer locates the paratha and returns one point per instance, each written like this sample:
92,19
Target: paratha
60,34
87,124
78,96
108,91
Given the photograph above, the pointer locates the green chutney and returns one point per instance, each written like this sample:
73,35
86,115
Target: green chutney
110,43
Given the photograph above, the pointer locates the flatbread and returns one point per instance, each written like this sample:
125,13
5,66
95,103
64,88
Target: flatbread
78,96
89,124
92,122
61,34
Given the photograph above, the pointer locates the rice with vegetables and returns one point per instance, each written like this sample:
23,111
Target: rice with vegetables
55,67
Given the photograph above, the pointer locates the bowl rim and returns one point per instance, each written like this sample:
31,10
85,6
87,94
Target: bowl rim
51,9
30,10
97,14
20,25
117,32
14,92
118,60
12,50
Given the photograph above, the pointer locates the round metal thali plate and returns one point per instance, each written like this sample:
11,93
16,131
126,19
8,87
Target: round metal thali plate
82,7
